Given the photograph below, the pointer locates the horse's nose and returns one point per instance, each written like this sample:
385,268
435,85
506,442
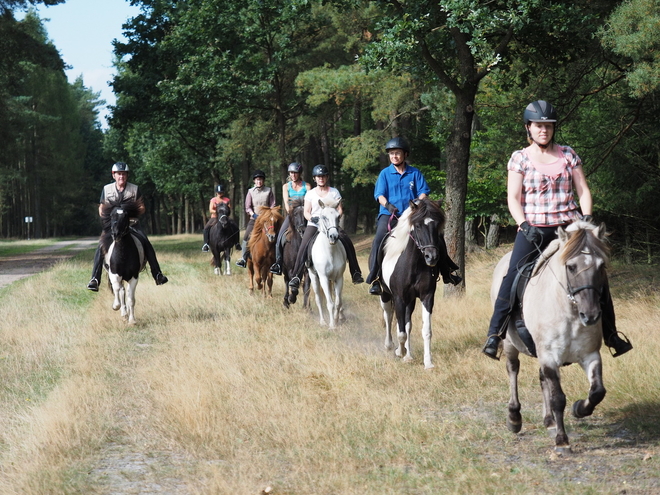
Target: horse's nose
431,256
589,319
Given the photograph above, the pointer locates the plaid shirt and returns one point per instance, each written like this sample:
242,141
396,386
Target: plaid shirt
547,200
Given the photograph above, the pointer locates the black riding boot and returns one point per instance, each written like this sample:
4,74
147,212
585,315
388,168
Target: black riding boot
150,254
93,284
610,333
207,232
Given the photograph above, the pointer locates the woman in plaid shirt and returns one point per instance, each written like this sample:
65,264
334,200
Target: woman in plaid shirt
540,185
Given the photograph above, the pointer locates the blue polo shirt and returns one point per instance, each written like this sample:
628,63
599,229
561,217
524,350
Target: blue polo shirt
400,189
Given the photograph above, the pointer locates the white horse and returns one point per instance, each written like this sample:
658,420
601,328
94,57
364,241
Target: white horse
562,312
328,263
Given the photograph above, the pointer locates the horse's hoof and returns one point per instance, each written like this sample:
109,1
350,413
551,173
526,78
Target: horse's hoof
389,347
116,307
576,409
563,449
514,426
429,366
407,358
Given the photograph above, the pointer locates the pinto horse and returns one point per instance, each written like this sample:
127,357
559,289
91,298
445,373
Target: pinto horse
409,272
297,225
223,236
262,249
124,256
328,263
562,313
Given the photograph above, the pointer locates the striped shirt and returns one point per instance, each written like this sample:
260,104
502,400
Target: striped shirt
547,200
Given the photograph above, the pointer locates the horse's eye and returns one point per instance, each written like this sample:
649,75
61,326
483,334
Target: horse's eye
571,268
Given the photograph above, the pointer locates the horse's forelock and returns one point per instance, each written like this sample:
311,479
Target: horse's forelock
427,208
132,208
581,237
295,203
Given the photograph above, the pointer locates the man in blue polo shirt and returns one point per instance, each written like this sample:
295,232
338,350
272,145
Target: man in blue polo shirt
396,186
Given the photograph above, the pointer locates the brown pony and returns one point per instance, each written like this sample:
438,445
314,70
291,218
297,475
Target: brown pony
262,248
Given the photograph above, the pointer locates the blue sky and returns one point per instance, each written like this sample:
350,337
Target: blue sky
83,30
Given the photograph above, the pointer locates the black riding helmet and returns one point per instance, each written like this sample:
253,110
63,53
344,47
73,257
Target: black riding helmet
220,188
258,173
397,143
539,111
120,167
295,167
320,170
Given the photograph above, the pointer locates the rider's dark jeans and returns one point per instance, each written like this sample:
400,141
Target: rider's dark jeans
523,252
383,226
301,258
149,253
279,243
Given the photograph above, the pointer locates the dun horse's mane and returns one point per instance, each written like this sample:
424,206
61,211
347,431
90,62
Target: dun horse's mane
581,238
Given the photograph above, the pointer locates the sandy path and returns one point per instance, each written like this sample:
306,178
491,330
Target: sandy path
13,268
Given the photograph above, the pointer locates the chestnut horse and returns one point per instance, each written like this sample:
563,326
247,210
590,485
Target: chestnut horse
262,249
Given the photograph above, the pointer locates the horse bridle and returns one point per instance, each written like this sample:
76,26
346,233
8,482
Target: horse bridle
325,225
570,291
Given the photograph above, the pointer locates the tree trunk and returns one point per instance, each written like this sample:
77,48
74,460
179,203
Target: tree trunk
458,157
493,236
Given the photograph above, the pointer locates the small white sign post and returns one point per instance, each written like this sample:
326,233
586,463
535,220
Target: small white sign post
28,220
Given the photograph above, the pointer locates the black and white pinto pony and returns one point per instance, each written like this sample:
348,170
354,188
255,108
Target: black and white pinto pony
328,263
223,236
294,235
124,256
562,312
409,272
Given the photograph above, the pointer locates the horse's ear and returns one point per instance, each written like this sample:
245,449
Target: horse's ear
562,234
321,203
413,205
601,232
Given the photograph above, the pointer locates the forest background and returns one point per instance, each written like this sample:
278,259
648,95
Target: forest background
209,90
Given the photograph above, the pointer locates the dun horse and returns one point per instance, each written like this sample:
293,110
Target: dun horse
124,257
223,236
562,312
297,224
410,272
262,249
328,257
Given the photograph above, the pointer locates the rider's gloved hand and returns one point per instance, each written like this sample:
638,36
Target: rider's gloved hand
391,208
532,233
314,219
254,216
588,218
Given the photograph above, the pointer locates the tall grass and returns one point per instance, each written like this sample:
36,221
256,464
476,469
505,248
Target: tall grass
216,391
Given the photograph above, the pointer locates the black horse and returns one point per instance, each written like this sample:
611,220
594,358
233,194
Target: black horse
223,236
123,253
297,225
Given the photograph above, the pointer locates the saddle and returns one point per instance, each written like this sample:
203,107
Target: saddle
525,273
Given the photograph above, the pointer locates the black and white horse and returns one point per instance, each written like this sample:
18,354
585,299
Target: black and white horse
223,236
124,256
410,272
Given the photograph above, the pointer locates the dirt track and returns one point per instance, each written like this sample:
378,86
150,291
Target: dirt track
13,268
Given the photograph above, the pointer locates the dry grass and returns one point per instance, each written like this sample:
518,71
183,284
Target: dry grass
215,391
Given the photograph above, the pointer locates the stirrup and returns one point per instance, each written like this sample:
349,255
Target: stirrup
205,248
618,344
93,285
376,289
276,269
